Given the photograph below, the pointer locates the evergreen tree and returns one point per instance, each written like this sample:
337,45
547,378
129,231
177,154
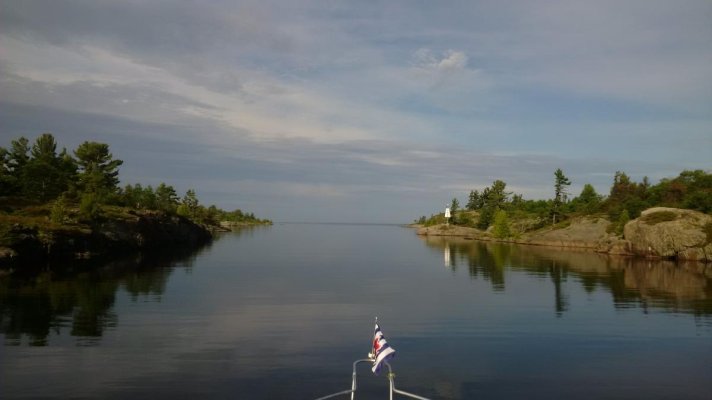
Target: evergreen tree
7,183
560,193
189,205
497,196
98,171
588,201
473,200
46,175
495,200
627,195
166,198
454,205
18,156
486,217
517,201
14,161
148,198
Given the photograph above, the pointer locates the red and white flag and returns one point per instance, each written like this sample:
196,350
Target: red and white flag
381,350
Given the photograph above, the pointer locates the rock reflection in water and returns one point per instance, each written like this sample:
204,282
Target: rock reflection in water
80,303
633,282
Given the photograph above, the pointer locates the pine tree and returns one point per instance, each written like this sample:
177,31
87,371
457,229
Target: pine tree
560,193
98,171
166,198
473,200
46,175
588,201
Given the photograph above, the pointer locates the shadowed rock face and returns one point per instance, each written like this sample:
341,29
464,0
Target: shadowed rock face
144,231
671,233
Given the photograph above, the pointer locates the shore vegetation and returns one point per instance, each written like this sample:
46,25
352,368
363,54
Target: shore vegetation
508,213
38,177
61,203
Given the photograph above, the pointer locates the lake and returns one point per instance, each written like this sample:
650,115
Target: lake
281,312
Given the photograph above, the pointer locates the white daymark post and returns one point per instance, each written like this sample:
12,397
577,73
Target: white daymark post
447,215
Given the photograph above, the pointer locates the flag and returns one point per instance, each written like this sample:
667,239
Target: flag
381,350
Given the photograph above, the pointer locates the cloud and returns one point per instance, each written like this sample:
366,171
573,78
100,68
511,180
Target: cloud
273,106
450,60
450,69
445,83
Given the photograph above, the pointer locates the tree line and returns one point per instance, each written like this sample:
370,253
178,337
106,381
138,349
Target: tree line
36,174
691,189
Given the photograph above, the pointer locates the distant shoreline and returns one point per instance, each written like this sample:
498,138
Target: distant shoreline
685,236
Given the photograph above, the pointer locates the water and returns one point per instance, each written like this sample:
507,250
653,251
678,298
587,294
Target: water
281,312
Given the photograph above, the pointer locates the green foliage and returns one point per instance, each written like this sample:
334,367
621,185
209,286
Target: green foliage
183,211
166,198
435,220
138,197
486,217
588,202
98,171
627,199
13,164
454,205
46,174
465,219
475,201
18,156
495,198
190,203
560,184
622,220
237,216
626,195
58,213
699,200
501,225
560,194
38,175
454,208
691,190
89,207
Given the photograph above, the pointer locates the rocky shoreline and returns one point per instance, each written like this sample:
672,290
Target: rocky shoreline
659,232
135,231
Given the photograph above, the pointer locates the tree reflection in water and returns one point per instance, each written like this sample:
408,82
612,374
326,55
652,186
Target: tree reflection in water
633,282
38,305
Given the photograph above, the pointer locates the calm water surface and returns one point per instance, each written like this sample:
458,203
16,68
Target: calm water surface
281,312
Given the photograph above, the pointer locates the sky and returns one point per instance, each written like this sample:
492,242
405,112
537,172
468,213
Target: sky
364,111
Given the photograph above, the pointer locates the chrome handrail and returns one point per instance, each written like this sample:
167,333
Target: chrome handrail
392,386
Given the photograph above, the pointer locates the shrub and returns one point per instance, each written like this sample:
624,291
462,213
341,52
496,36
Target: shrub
58,212
622,220
89,207
501,225
658,217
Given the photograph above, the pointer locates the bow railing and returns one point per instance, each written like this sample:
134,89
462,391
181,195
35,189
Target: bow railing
391,380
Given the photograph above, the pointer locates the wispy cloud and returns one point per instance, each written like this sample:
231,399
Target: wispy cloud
278,106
